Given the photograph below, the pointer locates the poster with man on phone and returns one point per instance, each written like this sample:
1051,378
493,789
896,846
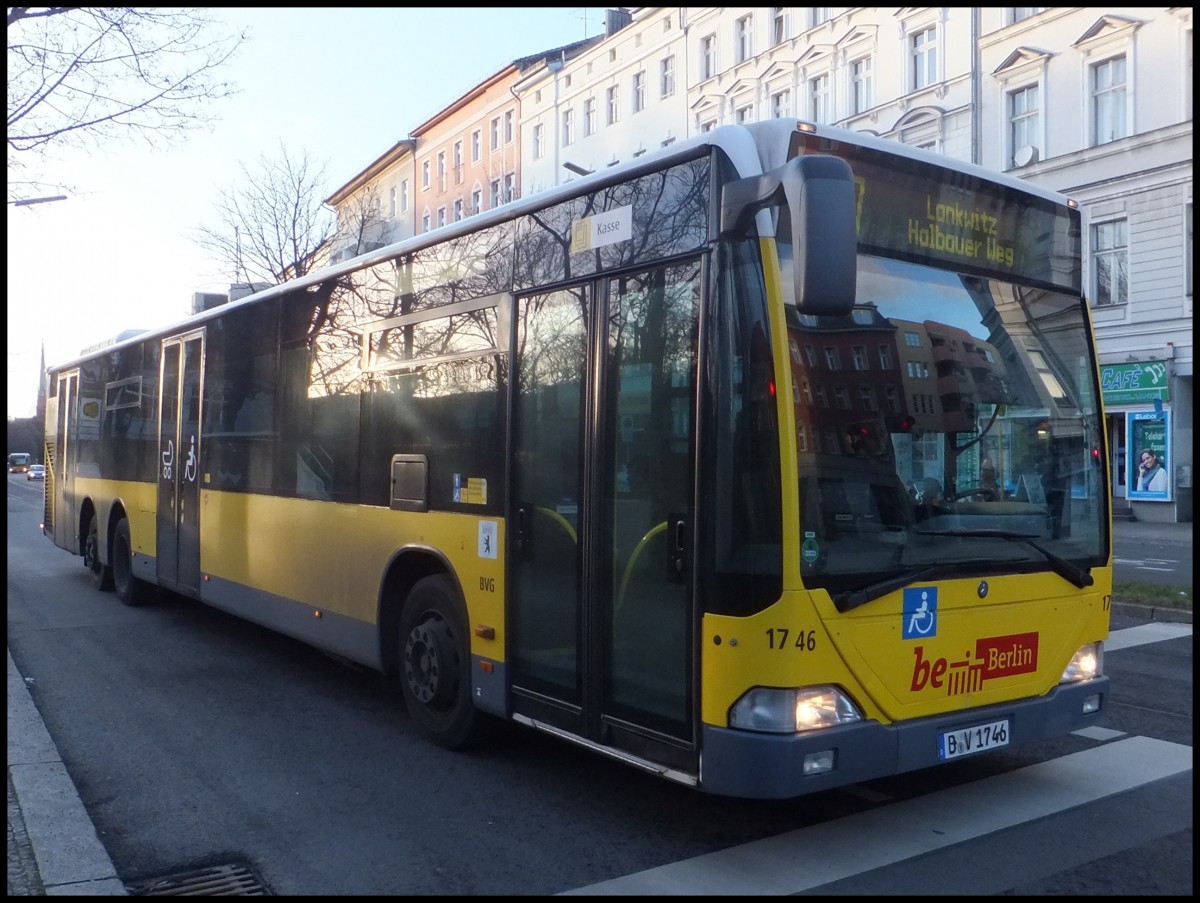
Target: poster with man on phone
1148,474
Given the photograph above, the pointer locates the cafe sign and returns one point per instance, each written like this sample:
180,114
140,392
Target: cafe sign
1134,383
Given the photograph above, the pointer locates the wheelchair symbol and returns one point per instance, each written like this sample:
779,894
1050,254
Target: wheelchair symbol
922,618
189,468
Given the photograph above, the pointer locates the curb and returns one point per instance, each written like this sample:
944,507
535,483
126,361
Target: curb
60,847
1153,612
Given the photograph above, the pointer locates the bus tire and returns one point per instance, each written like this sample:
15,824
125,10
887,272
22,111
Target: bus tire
130,590
102,575
435,664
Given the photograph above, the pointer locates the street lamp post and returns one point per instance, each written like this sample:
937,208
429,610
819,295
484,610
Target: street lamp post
27,201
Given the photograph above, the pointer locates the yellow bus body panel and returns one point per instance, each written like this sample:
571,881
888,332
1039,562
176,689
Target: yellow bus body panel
1012,644
333,556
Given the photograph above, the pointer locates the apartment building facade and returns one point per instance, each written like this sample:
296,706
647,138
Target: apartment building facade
1093,102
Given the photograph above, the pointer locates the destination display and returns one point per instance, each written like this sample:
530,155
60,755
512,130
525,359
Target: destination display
926,213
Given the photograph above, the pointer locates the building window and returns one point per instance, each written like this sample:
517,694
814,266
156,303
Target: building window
1021,13
639,91
833,360
614,104
495,133
568,127
1187,248
495,201
392,202
1110,264
892,398
859,353
589,116
885,357
778,25
820,15
810,354
863,95
1023,116
539,140
745,38
708,125
508,127
840,398
912,340
441,171
404,196
441,217
744,114
781,104
458,162
476,146
476,200
708,56
458,210
666,76
1108,100
425,222
866,395
819,91
425,174
510,190
924,58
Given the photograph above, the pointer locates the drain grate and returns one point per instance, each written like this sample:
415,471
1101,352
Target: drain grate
230,880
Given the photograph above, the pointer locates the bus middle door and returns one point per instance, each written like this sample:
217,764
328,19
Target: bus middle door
178,522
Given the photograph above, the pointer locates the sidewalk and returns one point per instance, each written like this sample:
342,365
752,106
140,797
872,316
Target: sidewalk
53,848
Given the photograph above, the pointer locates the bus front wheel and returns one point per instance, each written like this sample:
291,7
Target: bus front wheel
435,664
130,590
102,575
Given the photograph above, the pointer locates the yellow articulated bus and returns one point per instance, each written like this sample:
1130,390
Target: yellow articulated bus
768,463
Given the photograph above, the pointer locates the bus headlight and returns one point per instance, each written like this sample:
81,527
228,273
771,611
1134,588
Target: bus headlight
787,710
1087,663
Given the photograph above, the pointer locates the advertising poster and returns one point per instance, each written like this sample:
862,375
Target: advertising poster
1148,472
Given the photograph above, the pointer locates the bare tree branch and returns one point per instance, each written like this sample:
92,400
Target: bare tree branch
80,76
273,227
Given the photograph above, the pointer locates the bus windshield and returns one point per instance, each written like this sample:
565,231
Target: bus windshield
948,421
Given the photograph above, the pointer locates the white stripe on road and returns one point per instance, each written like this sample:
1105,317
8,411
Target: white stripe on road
869,840
1146,633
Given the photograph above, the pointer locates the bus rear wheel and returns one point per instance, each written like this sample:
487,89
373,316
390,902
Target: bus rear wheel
102,575
130,590
435,664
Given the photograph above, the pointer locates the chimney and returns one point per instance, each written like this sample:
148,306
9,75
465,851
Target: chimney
615,20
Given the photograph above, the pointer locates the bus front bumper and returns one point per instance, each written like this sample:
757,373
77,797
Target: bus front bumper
771,766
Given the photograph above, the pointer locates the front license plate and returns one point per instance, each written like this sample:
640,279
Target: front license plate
969,740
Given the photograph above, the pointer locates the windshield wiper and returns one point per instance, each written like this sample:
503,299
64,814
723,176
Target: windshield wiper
1068,570
844,602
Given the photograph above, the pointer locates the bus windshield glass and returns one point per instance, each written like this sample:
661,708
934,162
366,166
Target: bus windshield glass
948,421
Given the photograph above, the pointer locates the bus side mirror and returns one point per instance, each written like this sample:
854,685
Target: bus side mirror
818,215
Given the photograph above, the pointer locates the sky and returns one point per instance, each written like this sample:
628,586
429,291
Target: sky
342,85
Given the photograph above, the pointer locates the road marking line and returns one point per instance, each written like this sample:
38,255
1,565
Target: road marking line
810,857
1152,632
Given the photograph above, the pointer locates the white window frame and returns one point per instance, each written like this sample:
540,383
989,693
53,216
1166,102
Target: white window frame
568,127
426,177
862,84
1115,252
494,133
509,126
779,30
666,76
539,140
404,196
1118,93
1022,127
476,199
476,145
820,97
639,91
923,57
392,205
744,38
781,104
589,116
708,56
612,97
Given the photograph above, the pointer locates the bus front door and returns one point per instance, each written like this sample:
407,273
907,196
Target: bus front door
178,527
602,628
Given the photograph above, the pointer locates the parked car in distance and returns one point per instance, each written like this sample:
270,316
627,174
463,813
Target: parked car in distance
36,472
